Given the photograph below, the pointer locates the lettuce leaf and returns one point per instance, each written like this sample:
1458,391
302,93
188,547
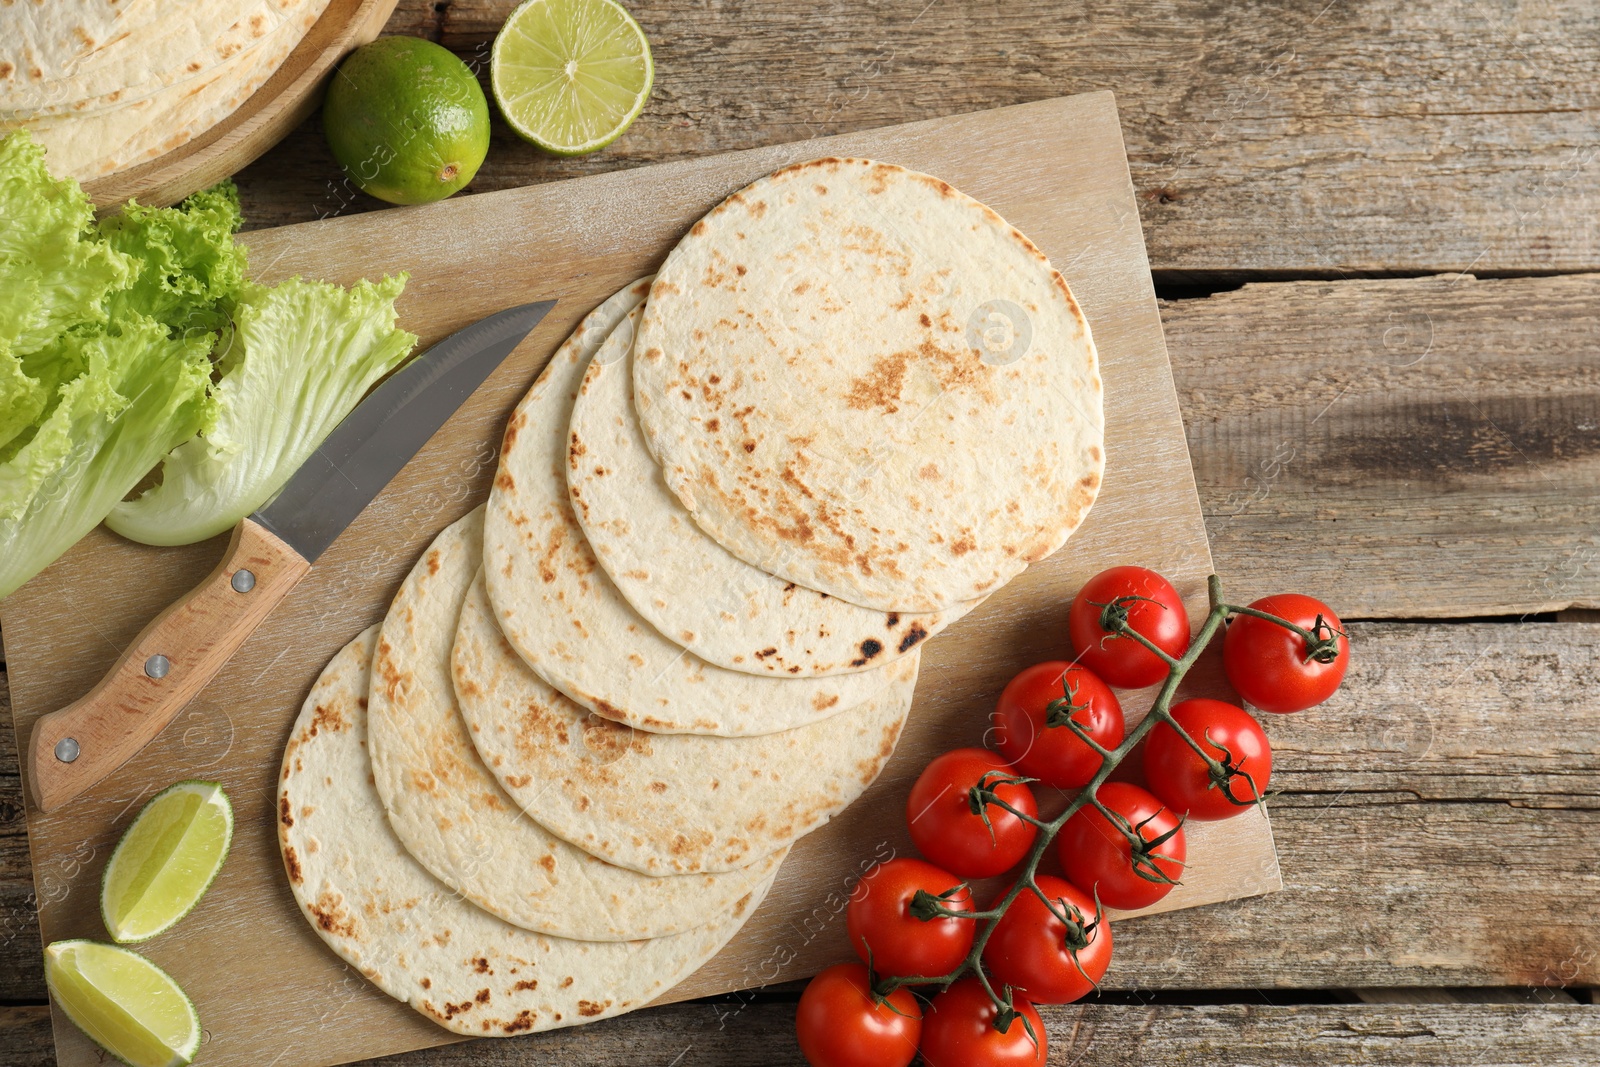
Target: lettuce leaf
301,356
140,393
54,272
188,266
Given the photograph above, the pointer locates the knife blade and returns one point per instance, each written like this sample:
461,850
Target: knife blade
184,647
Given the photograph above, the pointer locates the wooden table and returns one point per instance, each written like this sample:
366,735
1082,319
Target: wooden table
1372,224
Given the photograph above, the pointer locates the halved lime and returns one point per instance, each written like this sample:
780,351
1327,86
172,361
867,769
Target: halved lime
166,860
126,1004
571,75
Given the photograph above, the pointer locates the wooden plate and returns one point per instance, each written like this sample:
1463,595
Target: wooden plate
261,122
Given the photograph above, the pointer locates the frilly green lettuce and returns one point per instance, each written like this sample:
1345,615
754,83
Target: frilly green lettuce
301,356
140,393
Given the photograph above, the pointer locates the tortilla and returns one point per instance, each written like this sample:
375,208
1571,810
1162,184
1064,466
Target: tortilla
663,803
863,381
453,817
102,142
563,615
184,41
685,584
381,912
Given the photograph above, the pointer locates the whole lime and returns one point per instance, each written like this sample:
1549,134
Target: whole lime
406,120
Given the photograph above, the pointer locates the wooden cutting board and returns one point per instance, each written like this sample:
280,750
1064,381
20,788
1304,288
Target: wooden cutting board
268,990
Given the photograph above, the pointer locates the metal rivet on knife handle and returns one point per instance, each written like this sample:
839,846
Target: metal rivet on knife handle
243,581
157,666
67,749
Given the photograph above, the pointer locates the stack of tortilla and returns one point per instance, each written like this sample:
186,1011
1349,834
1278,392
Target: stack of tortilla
106,85
685,628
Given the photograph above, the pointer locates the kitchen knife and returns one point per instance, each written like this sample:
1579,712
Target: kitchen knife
186,645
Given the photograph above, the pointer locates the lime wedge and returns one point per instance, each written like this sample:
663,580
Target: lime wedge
126,1004
166,860
570,75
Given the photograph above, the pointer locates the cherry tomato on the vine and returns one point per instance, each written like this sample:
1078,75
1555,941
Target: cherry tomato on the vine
1272,667
840,1024
1158,616
896,942
960,1031
1098,857
949,832
1038,955
1177,774
1030,722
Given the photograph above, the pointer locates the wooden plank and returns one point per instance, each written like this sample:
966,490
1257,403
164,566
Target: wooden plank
21,962
1076,204
1414,448
1086,1035
1273,137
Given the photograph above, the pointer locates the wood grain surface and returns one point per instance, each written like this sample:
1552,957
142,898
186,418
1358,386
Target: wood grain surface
1388,138
1272,138
282,103
581,241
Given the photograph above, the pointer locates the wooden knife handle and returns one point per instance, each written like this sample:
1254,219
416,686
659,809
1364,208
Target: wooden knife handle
166,666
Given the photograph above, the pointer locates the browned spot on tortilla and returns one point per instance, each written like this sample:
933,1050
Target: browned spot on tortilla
426,983
548,862
893,619
880,387
433,562
1094,453
329,912
6,70
589,1009
963,545
291,863
913,635
452,1010
765,652
481,965
514,427
869,650
482,997
566,981
749,446
802,288
1090,481
285,811
713,425
740,270
503,481
658,787
523,1021
326,717
526,983
518,781
929,472
699,228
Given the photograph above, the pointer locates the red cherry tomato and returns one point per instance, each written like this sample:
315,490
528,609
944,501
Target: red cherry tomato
1032,950
1161,617
1269,664
1099,858
960,1032
895,942
1024,733
839,1024
1182,780
947,830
